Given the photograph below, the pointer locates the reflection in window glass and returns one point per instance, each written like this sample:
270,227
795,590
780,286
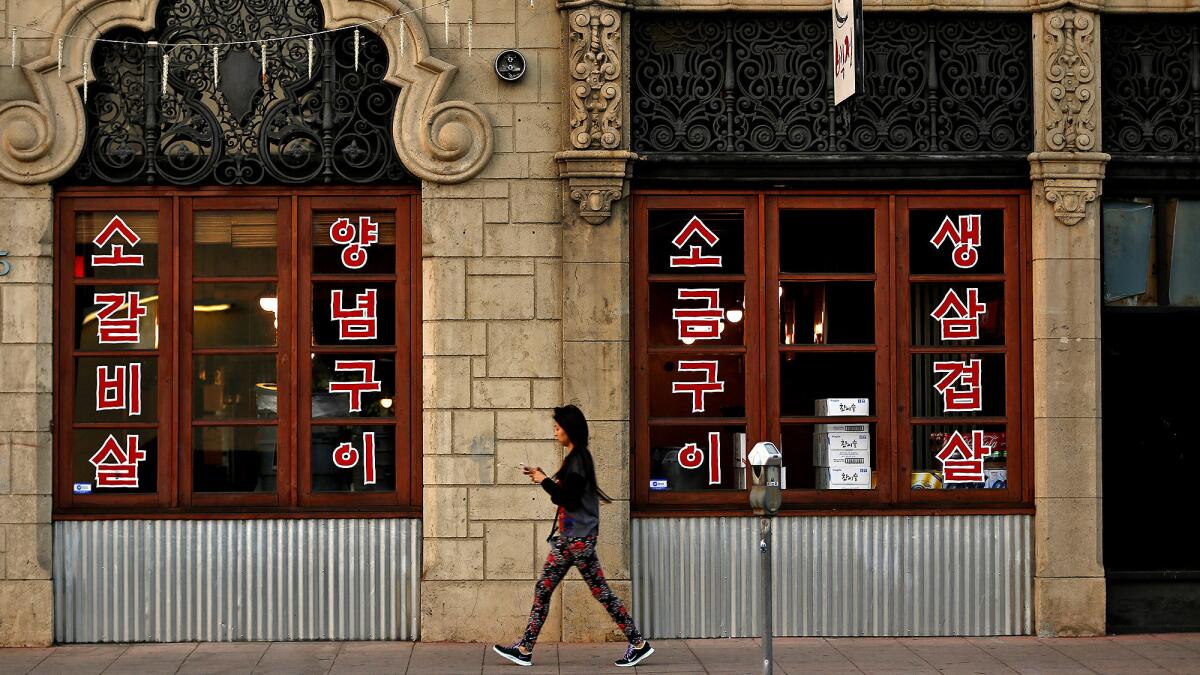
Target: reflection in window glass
121,471
365,309
965,310
693,320
835,241
113,390
697,386
827,313
973,385
234,315
353,385
697,458
116,317
806,378
956,241
342,242
1184,284
1129,253
959,457
837,456
108,244
366,464
233,459
234,243
234,387
716,234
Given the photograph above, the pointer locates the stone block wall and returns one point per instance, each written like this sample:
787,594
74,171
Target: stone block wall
26,451
502,347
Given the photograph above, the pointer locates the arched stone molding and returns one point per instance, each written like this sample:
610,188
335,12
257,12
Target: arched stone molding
438,141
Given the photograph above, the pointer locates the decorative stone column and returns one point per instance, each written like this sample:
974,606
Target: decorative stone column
595,289
1067,170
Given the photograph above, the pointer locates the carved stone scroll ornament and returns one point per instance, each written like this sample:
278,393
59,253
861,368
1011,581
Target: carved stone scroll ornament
1071,120
1069,181
595,63
442,142
1070,199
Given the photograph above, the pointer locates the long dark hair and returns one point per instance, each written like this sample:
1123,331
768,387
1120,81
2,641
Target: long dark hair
572,421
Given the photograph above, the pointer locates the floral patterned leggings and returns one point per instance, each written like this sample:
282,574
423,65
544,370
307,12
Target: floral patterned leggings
581,553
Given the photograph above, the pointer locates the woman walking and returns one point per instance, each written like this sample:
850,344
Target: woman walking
573,541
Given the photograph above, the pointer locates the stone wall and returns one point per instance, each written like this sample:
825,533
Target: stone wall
26,450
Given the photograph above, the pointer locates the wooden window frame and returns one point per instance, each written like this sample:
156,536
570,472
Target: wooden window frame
893,437
292,498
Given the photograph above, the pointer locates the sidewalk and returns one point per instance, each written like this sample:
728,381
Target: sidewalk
1138,654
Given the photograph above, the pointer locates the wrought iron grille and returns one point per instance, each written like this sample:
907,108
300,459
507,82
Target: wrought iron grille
1151,84
935,84
288,127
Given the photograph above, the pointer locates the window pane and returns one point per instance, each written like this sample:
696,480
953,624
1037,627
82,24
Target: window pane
716,234
946,457
120,318
973,384
830,241
692,386
342,242
234,243
829,456
108,245
697,458
1129,243
1185,252
233,459
695,319
116,390
353,385
234,387
234,315
827,313
968,241
127,459
367,464
362,310
806,378
965,309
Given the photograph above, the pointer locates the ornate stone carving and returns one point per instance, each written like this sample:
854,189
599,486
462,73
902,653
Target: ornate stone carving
595,179
595,63
1070,199
1071,113
442,142
1069,181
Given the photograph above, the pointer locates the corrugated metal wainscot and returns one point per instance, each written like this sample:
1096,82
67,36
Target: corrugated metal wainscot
848,575
186,580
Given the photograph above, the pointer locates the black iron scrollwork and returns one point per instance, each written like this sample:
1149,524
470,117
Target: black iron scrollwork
334,126
1151,84
936,83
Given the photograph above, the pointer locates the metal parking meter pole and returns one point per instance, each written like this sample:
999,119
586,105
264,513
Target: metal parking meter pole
765,498
764,552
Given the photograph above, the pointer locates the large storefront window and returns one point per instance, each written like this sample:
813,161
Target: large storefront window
236,351
876,339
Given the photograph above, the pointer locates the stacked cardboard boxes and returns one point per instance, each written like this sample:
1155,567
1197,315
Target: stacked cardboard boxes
842,452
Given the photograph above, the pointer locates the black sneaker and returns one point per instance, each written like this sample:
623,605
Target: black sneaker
514,654
634,656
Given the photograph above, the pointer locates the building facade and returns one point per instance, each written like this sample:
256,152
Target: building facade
664,219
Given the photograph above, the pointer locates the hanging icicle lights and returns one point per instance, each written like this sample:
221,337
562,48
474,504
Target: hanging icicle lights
216,47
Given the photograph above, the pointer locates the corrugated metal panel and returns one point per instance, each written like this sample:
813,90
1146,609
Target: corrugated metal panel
187,580
835,576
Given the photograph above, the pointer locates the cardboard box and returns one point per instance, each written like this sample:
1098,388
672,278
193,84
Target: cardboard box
844,478
841,441
842,429
841,459
843,407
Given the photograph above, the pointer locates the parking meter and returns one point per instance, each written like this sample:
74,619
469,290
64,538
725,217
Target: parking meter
766,463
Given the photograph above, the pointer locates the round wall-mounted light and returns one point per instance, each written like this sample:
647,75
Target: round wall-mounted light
510,65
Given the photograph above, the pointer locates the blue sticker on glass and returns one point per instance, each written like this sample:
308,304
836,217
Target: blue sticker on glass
83,488
658,484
